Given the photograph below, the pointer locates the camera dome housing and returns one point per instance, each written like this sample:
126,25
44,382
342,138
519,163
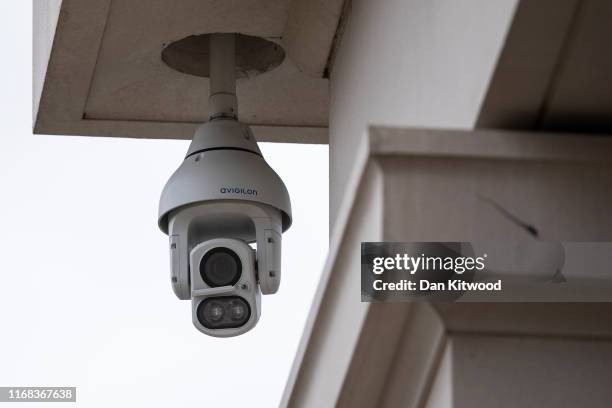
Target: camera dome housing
224,163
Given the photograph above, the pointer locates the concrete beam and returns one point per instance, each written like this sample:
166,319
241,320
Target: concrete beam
553,71
411,185
527,64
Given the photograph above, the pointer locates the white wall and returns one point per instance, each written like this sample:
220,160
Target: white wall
424,63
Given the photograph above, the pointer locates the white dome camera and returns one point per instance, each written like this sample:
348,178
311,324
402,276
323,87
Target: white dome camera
222,199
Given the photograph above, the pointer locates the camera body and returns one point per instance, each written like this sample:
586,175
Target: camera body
226,299
222,199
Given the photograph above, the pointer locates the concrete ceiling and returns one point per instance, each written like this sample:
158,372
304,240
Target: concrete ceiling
98,67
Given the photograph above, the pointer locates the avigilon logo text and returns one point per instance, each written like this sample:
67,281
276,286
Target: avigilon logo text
238,190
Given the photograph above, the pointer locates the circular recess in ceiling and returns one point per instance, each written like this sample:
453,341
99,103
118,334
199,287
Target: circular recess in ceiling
254,55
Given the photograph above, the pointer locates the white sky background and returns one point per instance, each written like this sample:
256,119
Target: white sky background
85,296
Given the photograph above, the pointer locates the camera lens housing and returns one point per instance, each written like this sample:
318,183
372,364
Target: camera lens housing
223,312
220,267
226,299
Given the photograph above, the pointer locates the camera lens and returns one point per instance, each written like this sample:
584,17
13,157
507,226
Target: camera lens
223,312
238,311
220,267
215,312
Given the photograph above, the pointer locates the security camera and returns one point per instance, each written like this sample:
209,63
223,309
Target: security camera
221,200
224,211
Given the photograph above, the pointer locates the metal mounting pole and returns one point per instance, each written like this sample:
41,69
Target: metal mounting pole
222,101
